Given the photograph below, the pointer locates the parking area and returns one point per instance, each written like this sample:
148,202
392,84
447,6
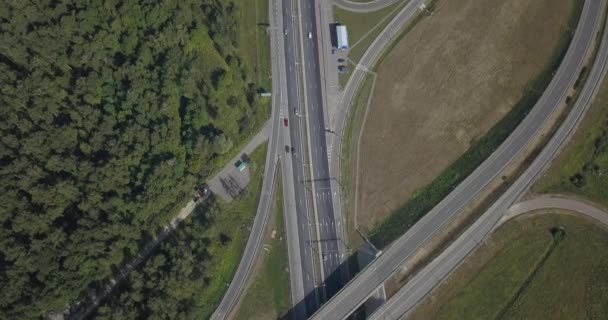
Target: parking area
235,176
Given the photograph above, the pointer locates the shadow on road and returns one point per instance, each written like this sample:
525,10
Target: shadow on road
333,283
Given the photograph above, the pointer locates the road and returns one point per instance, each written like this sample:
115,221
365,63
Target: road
355,293
337,123
329,242
261,218
298,221
364,6
497,214
555,201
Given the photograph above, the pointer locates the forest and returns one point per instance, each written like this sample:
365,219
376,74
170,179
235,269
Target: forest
111,112
169,284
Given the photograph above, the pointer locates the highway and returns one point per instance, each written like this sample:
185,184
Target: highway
330,244
355,293
301,260
286,29
504,208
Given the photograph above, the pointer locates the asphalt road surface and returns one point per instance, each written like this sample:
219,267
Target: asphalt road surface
329,243
301,262
364,6
355,293
560,202
434,273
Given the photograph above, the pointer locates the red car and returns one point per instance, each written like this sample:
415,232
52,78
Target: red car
286,122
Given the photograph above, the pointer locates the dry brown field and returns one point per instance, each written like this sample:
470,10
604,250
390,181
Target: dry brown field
443,85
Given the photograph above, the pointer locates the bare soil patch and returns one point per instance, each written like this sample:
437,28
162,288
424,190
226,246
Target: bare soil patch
444,85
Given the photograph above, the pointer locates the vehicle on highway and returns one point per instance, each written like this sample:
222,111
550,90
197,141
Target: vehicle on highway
293,151
340,60
286,122
287,149
310,35
285,31
342,69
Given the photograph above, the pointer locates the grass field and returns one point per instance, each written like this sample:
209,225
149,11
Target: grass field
506,278
235,219
252,25
268,297
363,28
581,168
348,159
441,89
254,40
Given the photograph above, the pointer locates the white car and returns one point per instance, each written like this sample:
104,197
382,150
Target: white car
310,35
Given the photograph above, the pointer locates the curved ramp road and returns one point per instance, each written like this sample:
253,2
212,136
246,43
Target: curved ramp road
438,269
261,218
395,307
362,7
362,286
556,202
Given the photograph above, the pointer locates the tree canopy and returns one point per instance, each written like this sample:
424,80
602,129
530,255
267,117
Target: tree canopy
110,113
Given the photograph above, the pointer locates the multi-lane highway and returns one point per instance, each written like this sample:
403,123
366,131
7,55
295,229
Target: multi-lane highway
296,78
329,241
355,293
301,256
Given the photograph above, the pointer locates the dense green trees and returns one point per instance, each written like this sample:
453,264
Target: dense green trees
167,285
110,111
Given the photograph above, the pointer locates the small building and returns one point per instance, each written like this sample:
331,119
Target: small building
342,37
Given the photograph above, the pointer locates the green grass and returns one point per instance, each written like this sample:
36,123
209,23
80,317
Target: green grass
354,121
343,77
424,199
254,47
586,156
234,220
254,41
359,24
508,278
270,287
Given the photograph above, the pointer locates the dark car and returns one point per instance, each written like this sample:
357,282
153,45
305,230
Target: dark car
287,149
202,192
340,60
286,122
293,151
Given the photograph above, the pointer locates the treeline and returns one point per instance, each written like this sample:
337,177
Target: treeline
110,113
186,275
